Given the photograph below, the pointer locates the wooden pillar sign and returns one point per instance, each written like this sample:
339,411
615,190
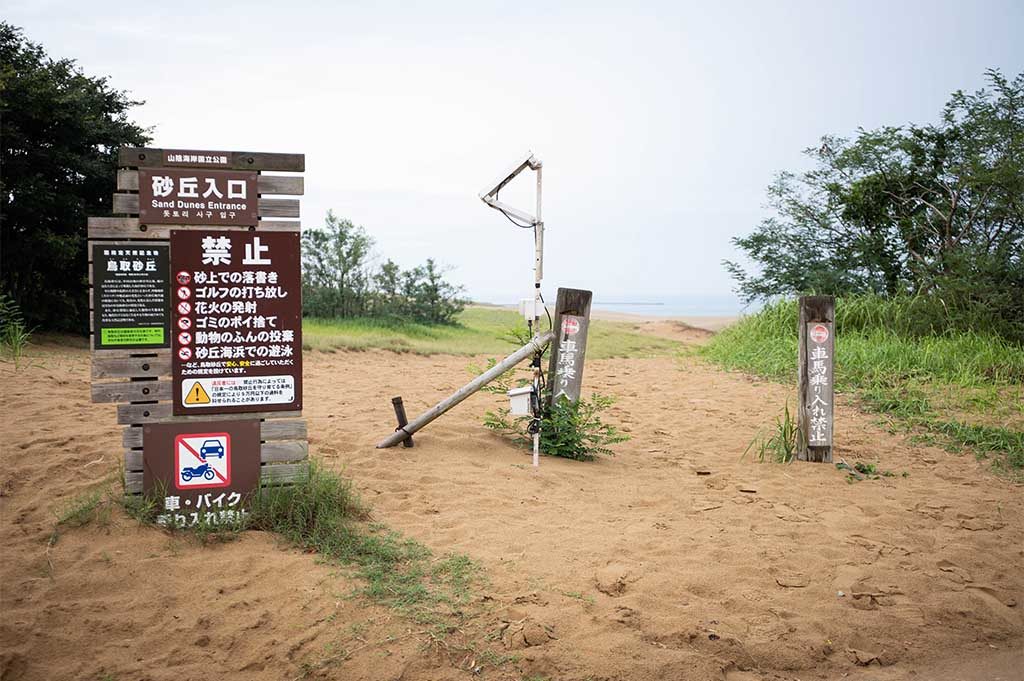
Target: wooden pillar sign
816,375
196,309
569,347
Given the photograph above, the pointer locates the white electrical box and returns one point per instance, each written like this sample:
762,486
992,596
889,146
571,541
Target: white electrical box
531,309
519,401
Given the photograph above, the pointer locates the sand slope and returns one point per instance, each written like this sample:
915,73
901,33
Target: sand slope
633,567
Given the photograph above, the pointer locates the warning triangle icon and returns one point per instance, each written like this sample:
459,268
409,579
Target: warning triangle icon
197,394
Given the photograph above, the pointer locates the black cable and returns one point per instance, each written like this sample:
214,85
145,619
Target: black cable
509,218
551,324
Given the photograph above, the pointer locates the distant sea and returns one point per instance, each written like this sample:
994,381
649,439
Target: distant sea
668,306
674,306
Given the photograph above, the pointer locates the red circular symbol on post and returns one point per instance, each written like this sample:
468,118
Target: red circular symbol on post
184,277
184,308
184,292
184,323
184,354
819,333
184,338
570,326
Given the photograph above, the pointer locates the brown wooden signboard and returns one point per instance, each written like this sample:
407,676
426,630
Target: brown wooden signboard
172,196
820,349
237,309
569,346
201,471
133,371
815,376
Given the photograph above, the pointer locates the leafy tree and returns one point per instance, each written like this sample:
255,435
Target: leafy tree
59,134
339,280
335,270
935,210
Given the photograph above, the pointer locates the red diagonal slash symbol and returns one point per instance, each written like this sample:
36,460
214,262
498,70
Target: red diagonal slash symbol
194,453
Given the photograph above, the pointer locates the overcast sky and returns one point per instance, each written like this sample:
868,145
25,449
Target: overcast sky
659,124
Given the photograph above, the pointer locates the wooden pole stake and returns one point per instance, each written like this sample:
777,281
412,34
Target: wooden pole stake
815,373
396,402
570,324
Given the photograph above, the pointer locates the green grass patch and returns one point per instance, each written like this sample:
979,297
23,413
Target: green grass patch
325,515
962,385
479,330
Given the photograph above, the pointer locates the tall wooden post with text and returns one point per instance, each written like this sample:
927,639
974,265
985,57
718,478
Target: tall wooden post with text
571,325
816,332
196,327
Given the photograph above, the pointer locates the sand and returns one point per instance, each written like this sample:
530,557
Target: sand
638,566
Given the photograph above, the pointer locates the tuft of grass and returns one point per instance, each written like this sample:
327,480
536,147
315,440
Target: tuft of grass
14,334
901,358
479,330
783,443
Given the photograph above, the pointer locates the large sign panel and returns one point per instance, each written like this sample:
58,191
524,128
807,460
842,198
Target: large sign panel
237,308
197,196
820,350
131,296
201,472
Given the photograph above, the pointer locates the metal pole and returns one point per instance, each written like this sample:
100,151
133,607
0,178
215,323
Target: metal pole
538,239
536,344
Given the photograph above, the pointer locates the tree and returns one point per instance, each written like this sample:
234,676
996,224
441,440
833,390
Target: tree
923,210
339,280
335,269
59,131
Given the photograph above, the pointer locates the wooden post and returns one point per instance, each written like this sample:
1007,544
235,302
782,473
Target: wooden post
396,402
569,346
815,372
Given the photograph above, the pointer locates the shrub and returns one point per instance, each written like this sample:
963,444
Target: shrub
571,430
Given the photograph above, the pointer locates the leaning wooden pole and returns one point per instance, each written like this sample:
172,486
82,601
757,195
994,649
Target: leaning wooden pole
536,344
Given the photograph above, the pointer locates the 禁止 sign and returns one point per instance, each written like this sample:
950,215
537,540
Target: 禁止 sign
201,472
131,296
197,196
237,341
820,351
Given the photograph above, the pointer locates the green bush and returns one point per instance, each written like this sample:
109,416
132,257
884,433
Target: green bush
571,430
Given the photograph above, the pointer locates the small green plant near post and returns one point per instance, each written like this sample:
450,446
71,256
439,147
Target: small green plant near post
782,445
14,335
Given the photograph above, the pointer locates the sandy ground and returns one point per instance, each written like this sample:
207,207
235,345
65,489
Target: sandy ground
706,323
637,566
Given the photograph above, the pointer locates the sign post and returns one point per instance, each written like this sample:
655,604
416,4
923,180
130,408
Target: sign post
816,376
238,321
196,312
201,472
569,347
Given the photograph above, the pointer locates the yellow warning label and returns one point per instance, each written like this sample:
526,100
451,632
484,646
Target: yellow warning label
197,395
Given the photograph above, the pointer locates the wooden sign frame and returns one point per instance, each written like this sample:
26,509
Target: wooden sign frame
139,381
